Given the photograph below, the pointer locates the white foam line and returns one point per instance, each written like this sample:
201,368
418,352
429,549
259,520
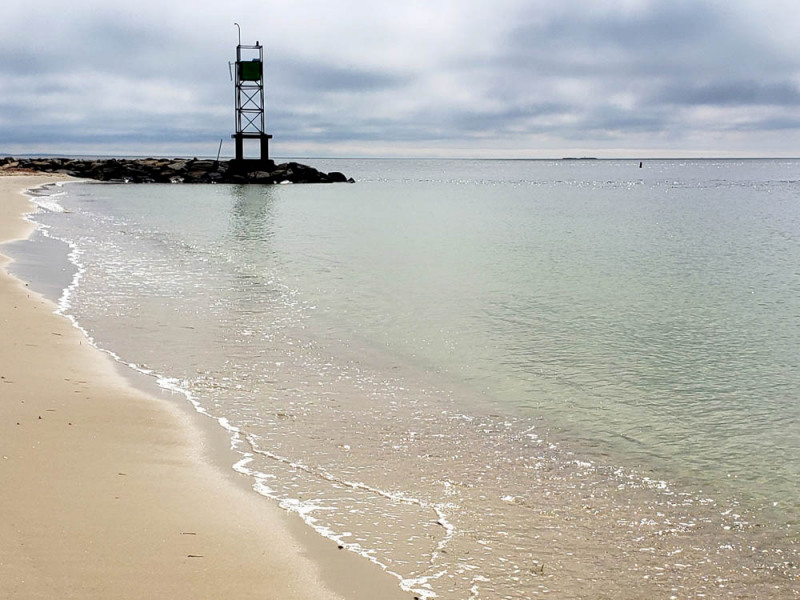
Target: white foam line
304,510
418,585
46,202
65,303
290,505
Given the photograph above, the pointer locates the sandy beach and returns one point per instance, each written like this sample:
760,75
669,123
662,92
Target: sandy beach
108,492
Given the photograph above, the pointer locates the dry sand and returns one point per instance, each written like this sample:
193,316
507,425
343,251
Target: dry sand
108,492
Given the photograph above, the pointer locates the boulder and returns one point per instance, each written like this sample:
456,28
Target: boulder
337,177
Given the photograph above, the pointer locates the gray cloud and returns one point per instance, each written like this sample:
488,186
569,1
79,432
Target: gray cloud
324,77
537,78
733,93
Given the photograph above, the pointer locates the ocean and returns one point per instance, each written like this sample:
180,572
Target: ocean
494,379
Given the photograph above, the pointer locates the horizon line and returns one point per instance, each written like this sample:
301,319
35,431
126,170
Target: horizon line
410,157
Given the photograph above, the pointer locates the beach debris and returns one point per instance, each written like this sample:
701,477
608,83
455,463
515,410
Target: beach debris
173,170
194,556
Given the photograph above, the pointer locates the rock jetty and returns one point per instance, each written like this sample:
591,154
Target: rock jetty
173,170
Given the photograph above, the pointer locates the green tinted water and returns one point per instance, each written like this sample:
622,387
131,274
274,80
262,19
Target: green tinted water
464,369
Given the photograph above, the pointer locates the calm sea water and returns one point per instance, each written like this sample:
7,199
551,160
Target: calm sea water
497,379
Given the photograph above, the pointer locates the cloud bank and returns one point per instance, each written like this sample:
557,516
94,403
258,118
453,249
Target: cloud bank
507,78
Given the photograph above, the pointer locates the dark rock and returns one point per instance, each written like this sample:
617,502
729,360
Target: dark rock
167,170
337,177
261,177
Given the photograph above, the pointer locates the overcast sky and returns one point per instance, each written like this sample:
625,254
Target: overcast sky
472,78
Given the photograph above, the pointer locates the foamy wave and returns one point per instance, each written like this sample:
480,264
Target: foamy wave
420,586
47,201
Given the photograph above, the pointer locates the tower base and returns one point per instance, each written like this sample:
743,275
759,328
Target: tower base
263,146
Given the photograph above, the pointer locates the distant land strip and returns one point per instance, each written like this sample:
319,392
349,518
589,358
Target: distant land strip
172,170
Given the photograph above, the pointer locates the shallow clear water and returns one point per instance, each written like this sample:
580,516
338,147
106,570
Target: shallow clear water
495,378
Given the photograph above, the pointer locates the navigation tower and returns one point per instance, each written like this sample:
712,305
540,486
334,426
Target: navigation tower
249,91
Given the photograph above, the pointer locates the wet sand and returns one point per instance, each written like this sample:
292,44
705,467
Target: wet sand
109,492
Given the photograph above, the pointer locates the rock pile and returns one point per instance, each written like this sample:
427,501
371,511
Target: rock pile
174,170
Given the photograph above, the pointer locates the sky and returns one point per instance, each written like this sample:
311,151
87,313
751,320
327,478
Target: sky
413,78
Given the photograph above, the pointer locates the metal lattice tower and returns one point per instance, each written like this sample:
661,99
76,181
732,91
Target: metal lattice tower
249,90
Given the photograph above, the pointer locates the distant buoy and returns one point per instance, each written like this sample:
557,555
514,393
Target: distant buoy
640,164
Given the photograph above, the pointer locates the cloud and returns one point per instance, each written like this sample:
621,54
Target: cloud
315,77
726,93
437,77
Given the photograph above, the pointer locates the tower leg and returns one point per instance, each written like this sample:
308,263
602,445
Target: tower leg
239,143
265,147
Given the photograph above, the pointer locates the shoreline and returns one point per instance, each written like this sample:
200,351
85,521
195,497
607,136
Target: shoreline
116,493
